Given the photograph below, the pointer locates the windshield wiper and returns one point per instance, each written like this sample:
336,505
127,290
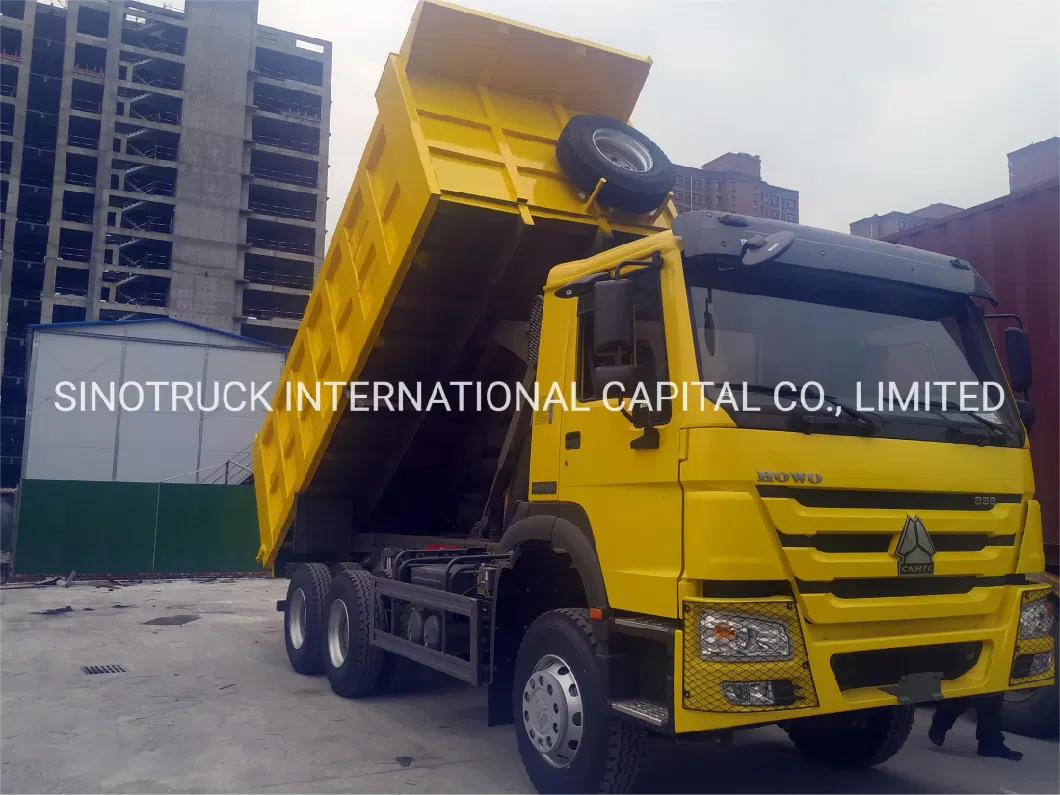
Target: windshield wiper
997,429
869,422
865,418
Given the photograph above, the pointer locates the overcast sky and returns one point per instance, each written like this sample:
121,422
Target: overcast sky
863,107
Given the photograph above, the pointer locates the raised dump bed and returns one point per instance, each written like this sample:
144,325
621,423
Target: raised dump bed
458,210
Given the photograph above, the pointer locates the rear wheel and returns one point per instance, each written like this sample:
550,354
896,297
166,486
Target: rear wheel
858,739
304,617
567,737
399,673
353,667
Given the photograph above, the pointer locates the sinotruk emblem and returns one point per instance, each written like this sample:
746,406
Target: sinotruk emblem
914,550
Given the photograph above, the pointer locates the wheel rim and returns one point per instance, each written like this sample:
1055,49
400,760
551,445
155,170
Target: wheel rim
338,633
1018,696
297,619
623,151
552,711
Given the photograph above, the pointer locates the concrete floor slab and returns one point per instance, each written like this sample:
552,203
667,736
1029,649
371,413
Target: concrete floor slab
211,705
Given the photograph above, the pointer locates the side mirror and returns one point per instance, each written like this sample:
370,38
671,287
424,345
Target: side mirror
613,317
1027,413
1018,353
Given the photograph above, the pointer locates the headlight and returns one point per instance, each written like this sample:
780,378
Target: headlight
1036,619
732,637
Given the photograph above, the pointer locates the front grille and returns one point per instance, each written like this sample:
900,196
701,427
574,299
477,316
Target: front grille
882,667
904,500
789,680
1026,648
881,587
881,542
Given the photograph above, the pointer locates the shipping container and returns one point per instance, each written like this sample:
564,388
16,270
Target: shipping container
1013,242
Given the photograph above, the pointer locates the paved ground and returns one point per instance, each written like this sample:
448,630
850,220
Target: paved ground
211,705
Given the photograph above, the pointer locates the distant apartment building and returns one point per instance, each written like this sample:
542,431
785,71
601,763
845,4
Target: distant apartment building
155,163
733,183
879,226
1034,163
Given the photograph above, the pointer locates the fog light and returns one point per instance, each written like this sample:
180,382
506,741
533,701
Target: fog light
1040,663
749,694
1027,665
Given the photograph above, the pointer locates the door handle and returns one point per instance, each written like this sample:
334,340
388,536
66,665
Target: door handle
573,440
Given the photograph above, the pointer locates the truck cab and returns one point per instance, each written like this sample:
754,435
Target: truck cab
771,475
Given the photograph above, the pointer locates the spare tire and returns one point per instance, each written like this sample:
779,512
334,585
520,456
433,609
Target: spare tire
639,175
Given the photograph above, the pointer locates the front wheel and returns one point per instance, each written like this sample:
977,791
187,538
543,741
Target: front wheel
860,739
567,737
1032,712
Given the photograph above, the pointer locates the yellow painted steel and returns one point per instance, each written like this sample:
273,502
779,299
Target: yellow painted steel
469,112
667,521
997,630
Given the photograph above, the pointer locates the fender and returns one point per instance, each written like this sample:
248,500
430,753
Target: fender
565,527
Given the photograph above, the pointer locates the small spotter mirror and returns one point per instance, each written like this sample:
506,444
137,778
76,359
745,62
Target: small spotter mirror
763,249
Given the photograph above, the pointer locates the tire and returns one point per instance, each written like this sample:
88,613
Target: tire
399,672
853,740
608,752
303,620
640,186
354,668
1033,713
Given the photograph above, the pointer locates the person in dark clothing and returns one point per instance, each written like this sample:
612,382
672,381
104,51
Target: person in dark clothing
988,724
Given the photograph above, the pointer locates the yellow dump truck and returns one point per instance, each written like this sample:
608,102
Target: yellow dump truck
610,557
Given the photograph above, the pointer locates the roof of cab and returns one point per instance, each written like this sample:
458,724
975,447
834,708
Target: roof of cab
703,232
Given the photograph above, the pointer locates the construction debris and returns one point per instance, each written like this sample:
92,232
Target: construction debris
53,612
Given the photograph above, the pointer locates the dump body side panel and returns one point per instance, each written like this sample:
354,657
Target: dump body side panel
388,207
1013,242
459,174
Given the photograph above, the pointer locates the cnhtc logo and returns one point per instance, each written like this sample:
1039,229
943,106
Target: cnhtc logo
914,550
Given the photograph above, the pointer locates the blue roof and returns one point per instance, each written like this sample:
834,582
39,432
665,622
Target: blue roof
188,323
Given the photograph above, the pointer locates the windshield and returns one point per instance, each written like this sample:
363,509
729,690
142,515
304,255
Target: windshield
882,349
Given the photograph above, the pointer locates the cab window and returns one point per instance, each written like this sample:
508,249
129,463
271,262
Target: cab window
649,355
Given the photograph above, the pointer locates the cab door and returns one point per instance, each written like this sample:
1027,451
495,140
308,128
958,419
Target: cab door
631,494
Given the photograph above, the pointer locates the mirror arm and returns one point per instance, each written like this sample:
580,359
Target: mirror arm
655,262
584,284
1004,316
649,440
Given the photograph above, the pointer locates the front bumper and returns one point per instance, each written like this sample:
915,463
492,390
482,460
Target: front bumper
826,673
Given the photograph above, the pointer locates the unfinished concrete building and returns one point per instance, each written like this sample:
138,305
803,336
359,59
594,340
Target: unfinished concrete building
155,162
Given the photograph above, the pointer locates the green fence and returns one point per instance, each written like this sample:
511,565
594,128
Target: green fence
100,527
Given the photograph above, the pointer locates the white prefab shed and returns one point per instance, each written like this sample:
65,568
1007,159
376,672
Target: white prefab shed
97,441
